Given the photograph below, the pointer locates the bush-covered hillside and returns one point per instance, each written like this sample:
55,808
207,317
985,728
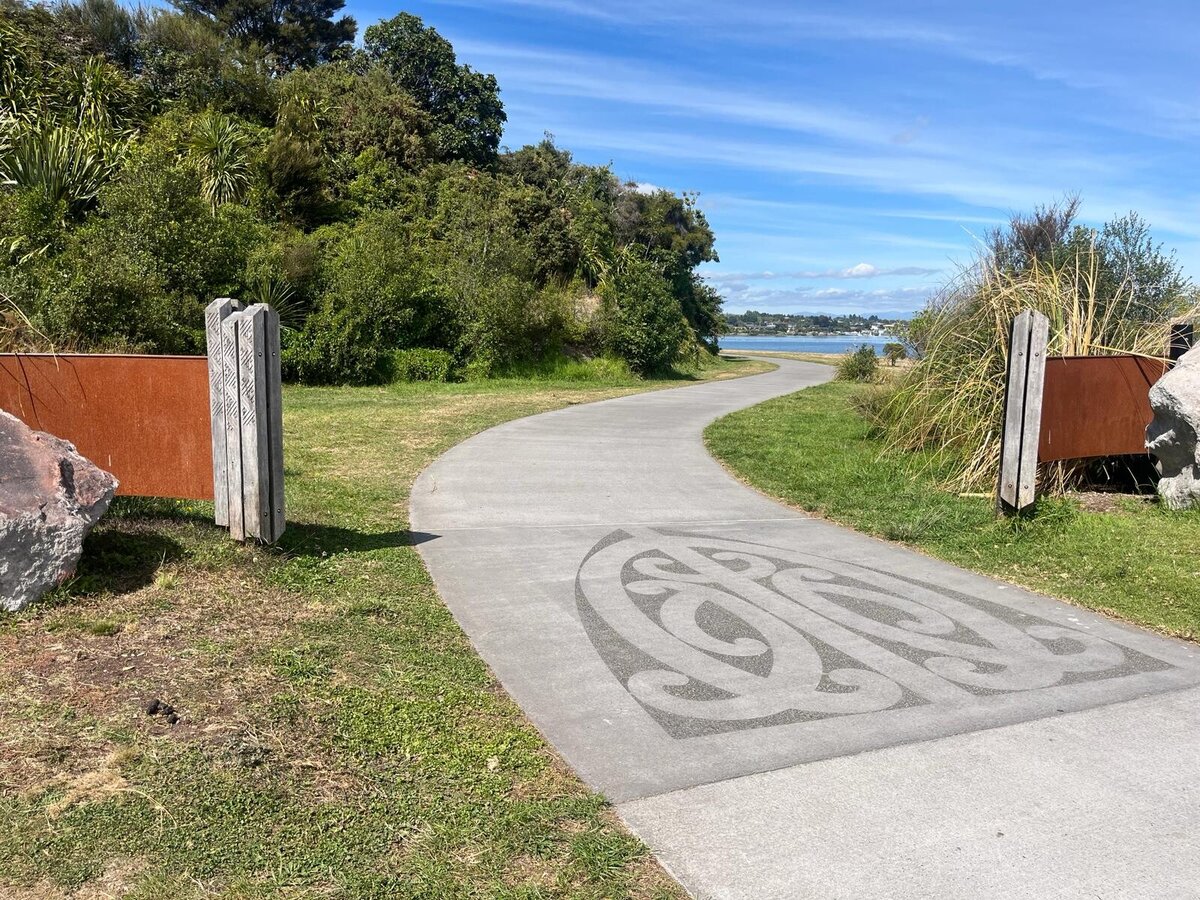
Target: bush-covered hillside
152,160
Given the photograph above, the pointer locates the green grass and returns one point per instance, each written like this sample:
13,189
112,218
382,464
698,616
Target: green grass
814,451
338,736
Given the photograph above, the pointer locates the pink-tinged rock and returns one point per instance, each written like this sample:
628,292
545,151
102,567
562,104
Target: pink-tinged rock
50,497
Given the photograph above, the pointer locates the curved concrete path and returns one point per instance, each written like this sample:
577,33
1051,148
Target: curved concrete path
781,707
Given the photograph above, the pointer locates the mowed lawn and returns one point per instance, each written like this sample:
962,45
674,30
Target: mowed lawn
337,736
813,450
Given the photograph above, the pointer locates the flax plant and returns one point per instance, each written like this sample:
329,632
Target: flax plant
952,401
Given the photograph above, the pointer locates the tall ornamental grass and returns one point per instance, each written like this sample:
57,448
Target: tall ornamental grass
952,401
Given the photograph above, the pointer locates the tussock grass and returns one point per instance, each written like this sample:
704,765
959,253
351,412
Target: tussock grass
952,401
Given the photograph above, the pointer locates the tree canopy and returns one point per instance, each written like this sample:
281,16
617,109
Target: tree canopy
464,104
154,159
294,32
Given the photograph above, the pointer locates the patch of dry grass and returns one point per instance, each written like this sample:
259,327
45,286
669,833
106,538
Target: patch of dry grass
952,401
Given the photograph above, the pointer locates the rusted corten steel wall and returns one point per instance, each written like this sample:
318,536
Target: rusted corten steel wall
143,418
1096,406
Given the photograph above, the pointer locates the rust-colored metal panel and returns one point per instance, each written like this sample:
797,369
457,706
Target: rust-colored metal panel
1096,406
143,418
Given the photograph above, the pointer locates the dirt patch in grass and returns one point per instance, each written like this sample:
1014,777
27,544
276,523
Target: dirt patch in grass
79,672
117,880
1110,501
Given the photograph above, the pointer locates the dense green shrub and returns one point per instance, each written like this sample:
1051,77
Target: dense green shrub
559,367
140,270
336,347
104,295
642,321
422,364
372,299
859,365
156,205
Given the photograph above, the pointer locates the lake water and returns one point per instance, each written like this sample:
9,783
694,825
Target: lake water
824,343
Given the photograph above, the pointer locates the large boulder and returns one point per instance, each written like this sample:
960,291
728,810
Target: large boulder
50,497
1171,437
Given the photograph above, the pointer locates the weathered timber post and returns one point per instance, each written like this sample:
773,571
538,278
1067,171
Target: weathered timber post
1028,338
216,313
249,488
275,424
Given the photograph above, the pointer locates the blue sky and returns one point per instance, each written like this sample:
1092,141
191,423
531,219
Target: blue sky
850,155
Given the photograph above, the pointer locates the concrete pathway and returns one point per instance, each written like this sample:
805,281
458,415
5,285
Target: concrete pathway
781,707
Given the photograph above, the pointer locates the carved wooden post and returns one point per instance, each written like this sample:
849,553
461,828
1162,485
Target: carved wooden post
252,382
248,489
1026,380
214,315
275,425
231,387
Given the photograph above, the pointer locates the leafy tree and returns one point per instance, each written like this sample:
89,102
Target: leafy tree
1035,236
363,108
463,104
1134,260
544,166
294,163
184,61
666,225
104,28
894,351
1123,258
294,32
672,230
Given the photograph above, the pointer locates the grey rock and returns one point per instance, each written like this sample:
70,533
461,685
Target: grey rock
50,497
1171,436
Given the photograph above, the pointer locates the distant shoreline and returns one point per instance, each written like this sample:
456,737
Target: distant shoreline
835,344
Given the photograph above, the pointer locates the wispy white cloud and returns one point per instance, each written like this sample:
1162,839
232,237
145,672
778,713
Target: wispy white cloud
624,81
896,302
993,181
758,210
988,36
862,131
860,270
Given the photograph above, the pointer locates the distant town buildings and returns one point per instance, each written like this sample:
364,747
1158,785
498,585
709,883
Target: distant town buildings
752,322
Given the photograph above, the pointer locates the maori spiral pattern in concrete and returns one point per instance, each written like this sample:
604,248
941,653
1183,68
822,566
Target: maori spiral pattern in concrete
711,634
